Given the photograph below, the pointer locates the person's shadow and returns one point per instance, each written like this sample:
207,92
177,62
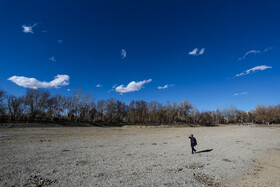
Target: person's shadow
205,151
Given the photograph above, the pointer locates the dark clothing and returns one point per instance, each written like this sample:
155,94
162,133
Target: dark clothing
193,143
193,149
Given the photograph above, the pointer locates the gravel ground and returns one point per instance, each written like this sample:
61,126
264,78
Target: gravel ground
134,156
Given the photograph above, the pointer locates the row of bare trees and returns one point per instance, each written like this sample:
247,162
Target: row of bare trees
40,106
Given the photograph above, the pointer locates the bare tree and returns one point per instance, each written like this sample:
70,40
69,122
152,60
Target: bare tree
154,109
15,106
206,119
80,107
2,104
121,112
36,101
260,114
101,107
195,114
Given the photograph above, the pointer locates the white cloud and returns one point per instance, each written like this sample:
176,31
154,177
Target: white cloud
257,68
123,53
249,52
28,29
68,90
60,41
26,82
162,87
165,86
197,52
52,59
132,86
201,51
254,52
193,52
242,93
98,86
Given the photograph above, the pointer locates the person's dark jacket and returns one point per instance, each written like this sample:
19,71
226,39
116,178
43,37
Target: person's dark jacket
193,141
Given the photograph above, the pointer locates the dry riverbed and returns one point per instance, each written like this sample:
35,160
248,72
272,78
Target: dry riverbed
134,156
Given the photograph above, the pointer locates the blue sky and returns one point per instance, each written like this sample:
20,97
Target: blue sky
211,53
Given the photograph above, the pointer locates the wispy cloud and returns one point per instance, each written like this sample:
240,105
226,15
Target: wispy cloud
98,86
249,52
201,52
26,82
60,41
254,52
241,93
52,59
196,52
68,90
28,29
113,88
267,49
132,86
257,68
165,86
123,53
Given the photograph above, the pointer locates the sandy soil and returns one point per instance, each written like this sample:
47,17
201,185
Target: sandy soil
265,174
92,156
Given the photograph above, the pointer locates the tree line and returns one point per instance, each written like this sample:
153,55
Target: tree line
40,106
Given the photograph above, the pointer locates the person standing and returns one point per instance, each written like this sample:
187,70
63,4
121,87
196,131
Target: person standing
193,143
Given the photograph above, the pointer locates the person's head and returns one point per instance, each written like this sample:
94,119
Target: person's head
191,135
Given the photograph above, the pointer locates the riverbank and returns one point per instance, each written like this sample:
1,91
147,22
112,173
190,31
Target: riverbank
122,156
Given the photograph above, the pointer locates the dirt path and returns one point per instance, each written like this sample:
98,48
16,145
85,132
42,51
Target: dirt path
227,156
